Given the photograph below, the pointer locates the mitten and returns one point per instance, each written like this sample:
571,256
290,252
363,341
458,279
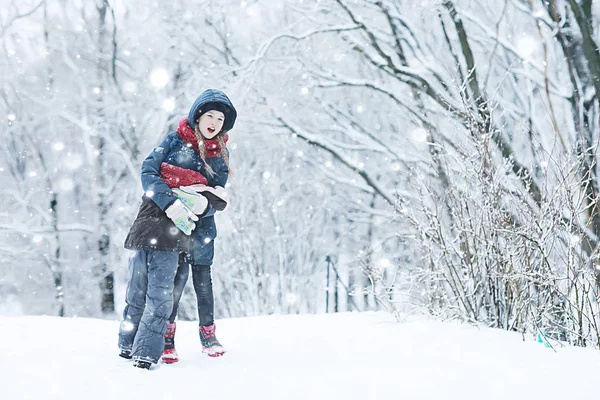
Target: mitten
195,202
182,217
217,196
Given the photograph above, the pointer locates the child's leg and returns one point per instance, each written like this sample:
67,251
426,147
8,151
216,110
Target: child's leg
169,354
149,341
183,272
135,299
206,309
204,293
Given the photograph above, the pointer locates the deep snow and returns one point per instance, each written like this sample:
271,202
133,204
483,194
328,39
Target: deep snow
327,356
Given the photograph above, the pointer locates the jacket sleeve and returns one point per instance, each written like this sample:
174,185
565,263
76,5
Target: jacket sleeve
218,179
154,187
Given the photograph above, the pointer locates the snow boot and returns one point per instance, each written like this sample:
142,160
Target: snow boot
126,354
210,344
142,364
169,355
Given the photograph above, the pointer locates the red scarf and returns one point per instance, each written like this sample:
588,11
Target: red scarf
177,176
211,146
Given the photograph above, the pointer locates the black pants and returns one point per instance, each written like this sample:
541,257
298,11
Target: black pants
202,286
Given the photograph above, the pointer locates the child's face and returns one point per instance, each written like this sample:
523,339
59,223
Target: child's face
211,123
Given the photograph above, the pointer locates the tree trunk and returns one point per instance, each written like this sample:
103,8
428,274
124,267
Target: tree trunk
54,264
581,55
106,276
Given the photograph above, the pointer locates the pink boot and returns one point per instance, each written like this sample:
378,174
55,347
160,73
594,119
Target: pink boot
210,344
169,355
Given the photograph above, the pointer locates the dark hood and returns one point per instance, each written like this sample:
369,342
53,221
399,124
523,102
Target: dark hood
213,96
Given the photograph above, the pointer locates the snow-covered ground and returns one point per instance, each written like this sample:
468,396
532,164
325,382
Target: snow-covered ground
332,356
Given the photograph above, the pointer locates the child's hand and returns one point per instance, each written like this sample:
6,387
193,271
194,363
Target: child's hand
217,196
192,200
182,217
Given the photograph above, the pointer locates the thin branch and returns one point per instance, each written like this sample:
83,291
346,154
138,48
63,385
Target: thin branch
19,16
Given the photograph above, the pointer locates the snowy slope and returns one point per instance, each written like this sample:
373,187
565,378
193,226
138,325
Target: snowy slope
335,356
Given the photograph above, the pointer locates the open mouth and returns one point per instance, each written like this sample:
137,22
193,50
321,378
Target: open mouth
211,130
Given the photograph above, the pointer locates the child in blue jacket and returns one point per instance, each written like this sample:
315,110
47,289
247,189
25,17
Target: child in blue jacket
181,179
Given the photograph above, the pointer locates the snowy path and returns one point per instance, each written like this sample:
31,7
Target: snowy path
335,356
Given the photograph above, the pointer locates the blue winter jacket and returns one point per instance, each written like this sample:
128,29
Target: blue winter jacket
152,229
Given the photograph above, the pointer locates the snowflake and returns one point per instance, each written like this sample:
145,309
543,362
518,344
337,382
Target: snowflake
159,77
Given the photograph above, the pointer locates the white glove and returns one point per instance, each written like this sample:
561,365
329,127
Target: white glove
195,202
182,217
217,196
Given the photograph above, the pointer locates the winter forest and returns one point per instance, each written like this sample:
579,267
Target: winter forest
434,156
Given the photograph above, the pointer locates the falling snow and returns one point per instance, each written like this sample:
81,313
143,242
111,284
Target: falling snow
405,155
